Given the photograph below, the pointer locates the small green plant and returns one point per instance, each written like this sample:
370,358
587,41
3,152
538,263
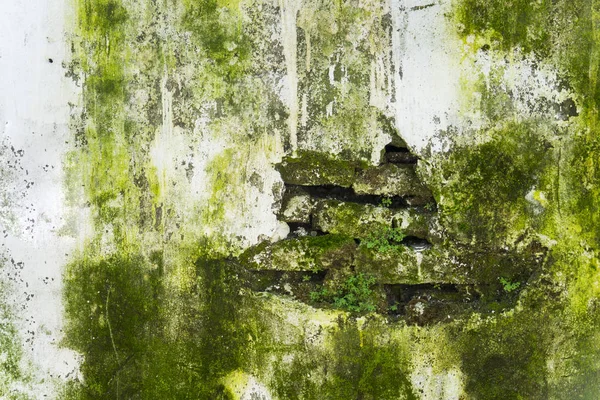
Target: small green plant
319,295
385,240
386,201
355,294
508,285
430,206
305,278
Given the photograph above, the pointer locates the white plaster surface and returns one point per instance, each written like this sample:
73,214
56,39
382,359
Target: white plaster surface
427,70
34,117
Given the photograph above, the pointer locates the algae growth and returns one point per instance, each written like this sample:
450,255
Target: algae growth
184,116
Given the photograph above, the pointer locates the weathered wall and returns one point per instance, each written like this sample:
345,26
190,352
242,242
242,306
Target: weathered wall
34,138
199,131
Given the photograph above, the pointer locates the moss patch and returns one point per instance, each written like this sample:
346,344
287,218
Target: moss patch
368,366
506,358
309,253
564,32
120,319
483,194
355,220
312,169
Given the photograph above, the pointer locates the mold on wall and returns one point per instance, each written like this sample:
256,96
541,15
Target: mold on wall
345,295
305,199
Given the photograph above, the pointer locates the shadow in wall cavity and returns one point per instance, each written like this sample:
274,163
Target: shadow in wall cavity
399,155
347,195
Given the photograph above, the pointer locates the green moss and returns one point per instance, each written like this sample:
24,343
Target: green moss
352,117
218,30
294,381
563,31
352,219
312,168
368,364
505,358
334,66
580,191
510,357
308,253
118,317
102,25
579,358
110,157
483,196
14,376
110,306
148,324
496,103
519,22
102,16
224,175
219,338
359,361
178,330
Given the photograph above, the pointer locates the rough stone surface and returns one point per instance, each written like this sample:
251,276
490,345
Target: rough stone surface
392,180
406,265
312,169
355,220
297,206
309,253
417,222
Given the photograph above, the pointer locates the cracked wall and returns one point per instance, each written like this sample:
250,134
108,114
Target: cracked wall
304,199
